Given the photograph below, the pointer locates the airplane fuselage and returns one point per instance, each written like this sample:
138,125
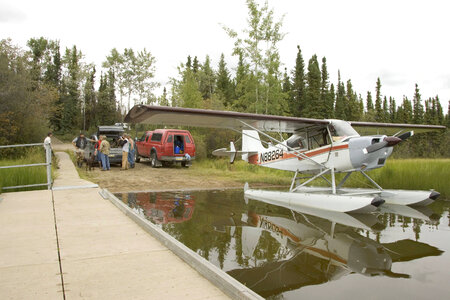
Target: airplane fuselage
344,156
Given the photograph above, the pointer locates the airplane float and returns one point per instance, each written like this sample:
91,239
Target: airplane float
316,147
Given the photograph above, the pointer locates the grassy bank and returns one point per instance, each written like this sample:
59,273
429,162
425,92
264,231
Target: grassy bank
24,175
240,171
410,174
413,174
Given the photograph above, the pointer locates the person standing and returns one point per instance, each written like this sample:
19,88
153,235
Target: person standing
98,153
80,143
48,141
104,150
131,151
123,142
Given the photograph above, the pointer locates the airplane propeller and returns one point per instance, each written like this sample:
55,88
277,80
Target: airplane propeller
388,141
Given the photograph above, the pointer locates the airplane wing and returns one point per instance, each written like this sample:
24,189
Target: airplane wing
372,128
179,116
163,115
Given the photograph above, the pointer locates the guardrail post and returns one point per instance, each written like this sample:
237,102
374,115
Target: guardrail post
48,158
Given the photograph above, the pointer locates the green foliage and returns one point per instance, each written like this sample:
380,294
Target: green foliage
24,104
258,45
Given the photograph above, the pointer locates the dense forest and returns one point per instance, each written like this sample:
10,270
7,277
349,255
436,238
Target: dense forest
43,88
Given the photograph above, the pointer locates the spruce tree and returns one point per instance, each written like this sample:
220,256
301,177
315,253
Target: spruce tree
332,99
313,106
369,102
386,116
195,65
417,107
189,63
341,102
241,85
207,79
392,110
406,113
352,107
224,85
90,101
325,98
378,102
164,100
54,68
298,85
70,92
370,110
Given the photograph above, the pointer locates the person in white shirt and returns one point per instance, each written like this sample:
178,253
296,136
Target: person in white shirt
48,141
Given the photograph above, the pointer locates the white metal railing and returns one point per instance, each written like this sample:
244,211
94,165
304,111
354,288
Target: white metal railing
48,163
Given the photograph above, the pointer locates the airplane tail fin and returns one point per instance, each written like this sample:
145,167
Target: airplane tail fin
251,143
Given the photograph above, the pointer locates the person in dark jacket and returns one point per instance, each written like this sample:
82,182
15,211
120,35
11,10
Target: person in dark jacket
80,143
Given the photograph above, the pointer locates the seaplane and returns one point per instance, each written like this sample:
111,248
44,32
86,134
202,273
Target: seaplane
315,149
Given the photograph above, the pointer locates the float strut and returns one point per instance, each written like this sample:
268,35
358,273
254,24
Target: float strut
333,182
371,180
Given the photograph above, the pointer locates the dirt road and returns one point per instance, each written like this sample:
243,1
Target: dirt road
145,178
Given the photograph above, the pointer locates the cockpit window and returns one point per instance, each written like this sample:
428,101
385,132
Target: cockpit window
342,129
297,142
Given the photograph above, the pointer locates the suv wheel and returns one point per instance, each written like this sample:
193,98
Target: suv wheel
137,158
154,160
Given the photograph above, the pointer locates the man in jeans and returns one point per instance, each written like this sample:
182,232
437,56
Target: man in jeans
104,153
131,151
123,142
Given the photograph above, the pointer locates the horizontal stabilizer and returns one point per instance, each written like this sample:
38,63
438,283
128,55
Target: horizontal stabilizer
231,153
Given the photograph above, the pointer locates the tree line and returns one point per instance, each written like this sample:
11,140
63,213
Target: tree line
44,88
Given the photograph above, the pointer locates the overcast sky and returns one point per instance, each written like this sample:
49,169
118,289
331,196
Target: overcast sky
402,42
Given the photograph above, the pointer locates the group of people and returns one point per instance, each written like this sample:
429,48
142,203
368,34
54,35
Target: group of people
102,150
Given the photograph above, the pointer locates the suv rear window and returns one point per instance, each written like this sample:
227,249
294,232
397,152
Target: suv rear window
156,137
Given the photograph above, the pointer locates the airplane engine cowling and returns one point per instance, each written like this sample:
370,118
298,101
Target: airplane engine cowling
361,159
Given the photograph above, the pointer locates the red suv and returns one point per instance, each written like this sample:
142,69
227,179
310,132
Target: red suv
166,146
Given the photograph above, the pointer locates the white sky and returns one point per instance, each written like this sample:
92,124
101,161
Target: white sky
402,42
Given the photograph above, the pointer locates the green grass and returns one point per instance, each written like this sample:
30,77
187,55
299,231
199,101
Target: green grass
409,174
24,175
412,174
240,171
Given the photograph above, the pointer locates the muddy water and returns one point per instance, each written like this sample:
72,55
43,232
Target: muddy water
400,253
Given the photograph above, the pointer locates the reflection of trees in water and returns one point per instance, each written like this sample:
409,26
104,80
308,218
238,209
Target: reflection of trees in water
267,248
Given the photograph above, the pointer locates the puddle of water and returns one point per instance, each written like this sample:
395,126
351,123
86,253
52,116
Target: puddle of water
287,254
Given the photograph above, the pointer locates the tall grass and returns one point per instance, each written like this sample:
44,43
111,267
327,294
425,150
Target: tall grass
24,175
413,174
241,171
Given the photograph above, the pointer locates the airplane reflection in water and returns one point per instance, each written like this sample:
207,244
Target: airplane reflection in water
161,210
317,250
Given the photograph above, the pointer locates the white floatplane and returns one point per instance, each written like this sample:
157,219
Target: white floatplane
315,148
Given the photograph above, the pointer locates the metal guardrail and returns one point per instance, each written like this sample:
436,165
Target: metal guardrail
48,163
